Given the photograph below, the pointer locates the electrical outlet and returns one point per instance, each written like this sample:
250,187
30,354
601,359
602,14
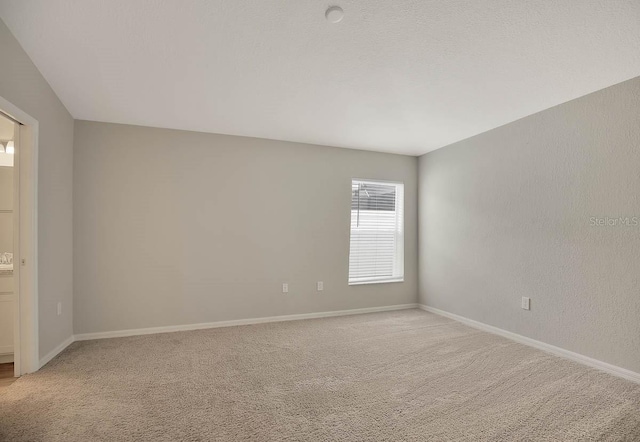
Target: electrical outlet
320,286
526,303
285,287
59,308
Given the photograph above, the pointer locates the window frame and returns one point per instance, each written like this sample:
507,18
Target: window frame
399,234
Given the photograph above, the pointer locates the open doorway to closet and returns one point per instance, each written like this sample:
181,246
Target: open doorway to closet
18,243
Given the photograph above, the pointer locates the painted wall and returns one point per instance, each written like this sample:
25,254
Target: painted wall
7,297
174,227
22,84
6,205
511,213
6,129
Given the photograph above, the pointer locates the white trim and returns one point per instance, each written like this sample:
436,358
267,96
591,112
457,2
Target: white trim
376,181
377,281
26,335
235,322
18,367
557,351
56,351
174,328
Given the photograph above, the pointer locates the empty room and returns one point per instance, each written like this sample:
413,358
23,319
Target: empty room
354,220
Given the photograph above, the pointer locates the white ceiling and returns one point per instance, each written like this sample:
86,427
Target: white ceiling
404,76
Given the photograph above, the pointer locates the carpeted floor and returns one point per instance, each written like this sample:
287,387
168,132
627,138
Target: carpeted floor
397,376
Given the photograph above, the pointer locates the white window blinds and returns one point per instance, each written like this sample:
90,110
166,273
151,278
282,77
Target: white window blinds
377,232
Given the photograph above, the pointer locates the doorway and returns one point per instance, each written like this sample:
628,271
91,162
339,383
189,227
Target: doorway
8,131
18,241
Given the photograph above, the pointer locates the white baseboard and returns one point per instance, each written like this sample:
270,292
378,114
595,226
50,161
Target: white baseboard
593,363
235,322
173,328
6,358
53,353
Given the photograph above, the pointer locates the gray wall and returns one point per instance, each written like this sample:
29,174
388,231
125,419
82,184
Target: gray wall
22,84
174,227
508,213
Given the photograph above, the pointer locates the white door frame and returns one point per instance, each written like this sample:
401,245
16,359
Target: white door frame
25,263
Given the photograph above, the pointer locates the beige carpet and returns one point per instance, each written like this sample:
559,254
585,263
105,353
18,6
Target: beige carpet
398,376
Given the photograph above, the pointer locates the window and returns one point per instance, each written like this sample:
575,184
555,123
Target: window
377,232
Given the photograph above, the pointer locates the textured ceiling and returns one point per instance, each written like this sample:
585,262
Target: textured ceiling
405,76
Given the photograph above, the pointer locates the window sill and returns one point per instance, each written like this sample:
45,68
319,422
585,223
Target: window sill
377,281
